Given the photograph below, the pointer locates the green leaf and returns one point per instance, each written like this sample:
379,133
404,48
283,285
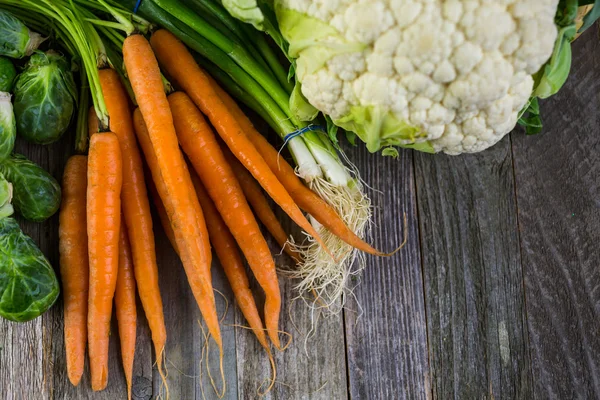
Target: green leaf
592,16
554,74
8,73
6,208
390,152
378,127
245,10
332,131
16,40
8,127
351,137
300,107
313,41
530,117
28,284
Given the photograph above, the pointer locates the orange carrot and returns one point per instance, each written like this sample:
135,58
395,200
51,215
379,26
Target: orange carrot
231,261
201,146
308,200
93,123
136,208
170,175
74,266
260,205
104,177
162,215
181,66
125,306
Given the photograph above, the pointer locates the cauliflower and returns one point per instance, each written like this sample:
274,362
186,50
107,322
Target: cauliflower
437,75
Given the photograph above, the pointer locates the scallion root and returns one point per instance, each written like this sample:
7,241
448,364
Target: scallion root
327,282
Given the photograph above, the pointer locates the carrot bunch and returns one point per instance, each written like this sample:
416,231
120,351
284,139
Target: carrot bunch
107,241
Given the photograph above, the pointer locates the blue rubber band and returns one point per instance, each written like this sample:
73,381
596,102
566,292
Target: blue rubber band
137,5
300,131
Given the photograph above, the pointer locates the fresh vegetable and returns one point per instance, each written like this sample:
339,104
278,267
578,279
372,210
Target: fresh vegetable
16,40
229,256
28,285
8,127
45,98
36,193
180,65
74,264
136,208
201,146
185,215
435,76
162,214
105,176
6,193
125,307
8,73
260,205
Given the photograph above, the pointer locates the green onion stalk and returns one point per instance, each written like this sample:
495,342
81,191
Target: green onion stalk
244,63
81,40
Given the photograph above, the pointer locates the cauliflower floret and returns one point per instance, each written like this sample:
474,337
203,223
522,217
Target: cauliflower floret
458,71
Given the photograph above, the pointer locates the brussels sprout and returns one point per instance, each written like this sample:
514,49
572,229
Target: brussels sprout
28,284
36,193
8,73
16,40
8,129
6,209
45,97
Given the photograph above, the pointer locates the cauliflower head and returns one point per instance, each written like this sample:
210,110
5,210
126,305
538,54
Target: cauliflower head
437,75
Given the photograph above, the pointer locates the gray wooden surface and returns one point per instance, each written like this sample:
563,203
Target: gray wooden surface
495,296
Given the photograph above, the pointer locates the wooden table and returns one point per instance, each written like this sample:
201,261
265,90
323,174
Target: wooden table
495,296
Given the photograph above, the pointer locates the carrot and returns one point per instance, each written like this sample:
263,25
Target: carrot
177,193
93,123
136,208
231,261
308,200
162,215
125,306
201,146
260,205
74,266
103,226
181,66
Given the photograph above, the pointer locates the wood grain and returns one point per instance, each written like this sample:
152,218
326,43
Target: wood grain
385,323
558,193
473,281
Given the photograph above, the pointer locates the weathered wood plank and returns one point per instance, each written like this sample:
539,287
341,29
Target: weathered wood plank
558,193
315,369
386,331
478,345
